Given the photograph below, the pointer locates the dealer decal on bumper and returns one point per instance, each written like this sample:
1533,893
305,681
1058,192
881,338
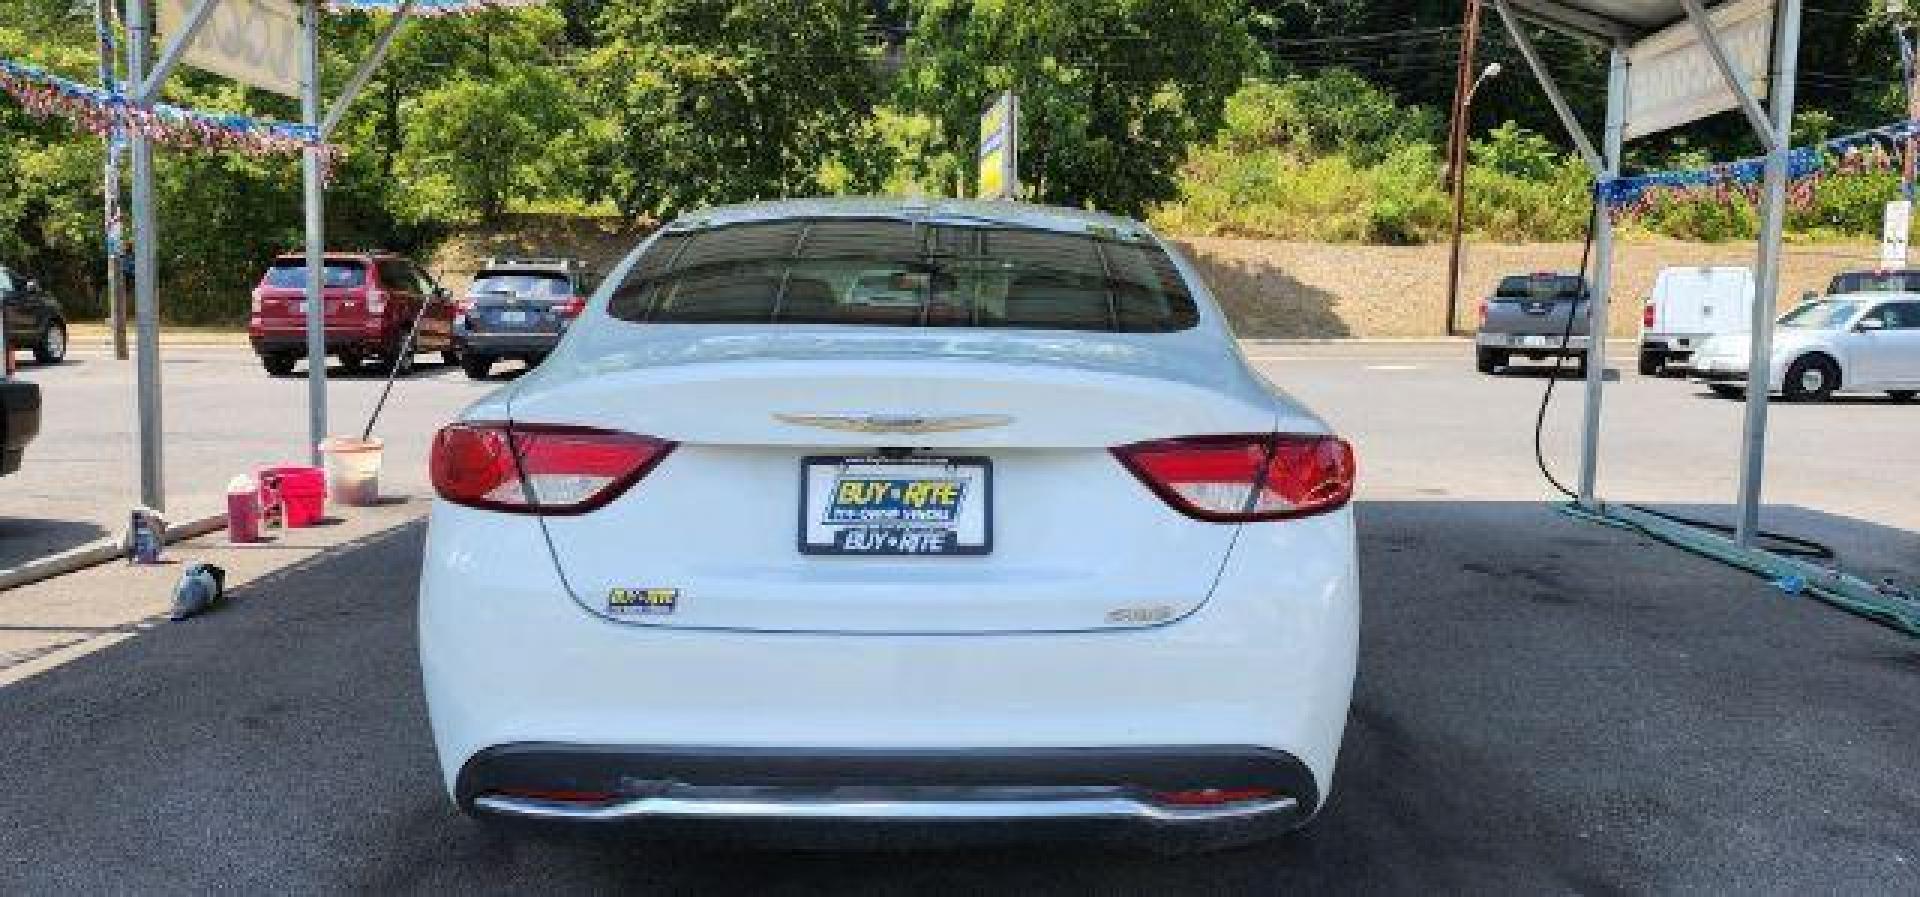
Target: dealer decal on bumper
642,601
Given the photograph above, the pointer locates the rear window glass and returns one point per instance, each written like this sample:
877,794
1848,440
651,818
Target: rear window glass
1875,282
293,275
1540,286
535,285
904,273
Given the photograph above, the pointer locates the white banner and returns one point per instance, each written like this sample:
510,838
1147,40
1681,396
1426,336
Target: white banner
1673,80
254,42
1893,233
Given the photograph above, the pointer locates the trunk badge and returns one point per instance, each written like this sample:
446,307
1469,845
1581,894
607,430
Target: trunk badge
896,423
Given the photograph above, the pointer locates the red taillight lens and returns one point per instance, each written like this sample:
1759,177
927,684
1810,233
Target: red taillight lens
558,470
1646,316
1483,311
1232,479
1212,797
570,307
376,302
256,302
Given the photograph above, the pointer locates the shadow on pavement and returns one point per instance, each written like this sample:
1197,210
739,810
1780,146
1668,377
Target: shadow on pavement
1544,705
24,539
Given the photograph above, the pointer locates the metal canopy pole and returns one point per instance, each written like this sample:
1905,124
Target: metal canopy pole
1730,71
1753,452
316,237
110,176
149,89
359,80
1597,305
146,306
1524,43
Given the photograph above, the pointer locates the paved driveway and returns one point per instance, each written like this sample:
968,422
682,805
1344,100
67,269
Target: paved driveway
1543,705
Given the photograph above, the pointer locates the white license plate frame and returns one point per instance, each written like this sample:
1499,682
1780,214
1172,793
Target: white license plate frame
949,515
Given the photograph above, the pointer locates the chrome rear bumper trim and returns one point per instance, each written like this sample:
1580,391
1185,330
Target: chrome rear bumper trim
1114,807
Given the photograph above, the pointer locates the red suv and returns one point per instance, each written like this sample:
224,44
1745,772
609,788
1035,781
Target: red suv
371,300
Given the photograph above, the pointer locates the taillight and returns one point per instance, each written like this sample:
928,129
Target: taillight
1231,479
1646,316
570,307
1212,797
539,468
1483,312
376,302
256,302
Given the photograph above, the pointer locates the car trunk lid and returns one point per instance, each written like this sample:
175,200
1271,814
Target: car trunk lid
1073,540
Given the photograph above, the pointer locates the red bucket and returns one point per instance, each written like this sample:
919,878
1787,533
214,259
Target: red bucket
303,492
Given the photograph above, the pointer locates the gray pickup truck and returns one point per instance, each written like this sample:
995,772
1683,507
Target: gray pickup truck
1527,317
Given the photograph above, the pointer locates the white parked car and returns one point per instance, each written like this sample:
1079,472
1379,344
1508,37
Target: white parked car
1860,342
887,519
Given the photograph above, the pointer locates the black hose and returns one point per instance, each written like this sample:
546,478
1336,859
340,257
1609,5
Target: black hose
1783,544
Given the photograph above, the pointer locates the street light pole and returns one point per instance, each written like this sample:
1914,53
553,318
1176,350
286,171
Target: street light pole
1457,169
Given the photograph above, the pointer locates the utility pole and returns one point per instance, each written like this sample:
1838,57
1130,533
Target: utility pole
1911,75
110,195
1457,153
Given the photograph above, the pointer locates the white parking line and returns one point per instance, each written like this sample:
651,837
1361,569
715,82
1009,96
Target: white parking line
1394,367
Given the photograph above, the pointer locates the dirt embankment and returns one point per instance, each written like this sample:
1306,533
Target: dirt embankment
1318,290
1272,289
600,242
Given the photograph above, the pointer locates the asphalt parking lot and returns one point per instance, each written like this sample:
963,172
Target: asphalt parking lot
1543,705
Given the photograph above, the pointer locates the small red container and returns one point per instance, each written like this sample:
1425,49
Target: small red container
303,493
243,510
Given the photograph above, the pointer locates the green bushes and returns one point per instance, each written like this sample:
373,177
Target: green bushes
1332,158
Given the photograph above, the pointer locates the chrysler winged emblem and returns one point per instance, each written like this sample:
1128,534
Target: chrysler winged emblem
896,423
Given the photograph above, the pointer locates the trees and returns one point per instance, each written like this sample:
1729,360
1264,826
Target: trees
1112,92
711,101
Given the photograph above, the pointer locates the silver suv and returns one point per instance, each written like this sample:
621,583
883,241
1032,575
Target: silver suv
1527,315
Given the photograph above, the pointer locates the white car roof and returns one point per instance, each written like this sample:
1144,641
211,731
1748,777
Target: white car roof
1018,214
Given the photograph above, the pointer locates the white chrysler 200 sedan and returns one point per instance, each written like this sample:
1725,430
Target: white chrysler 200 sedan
891,519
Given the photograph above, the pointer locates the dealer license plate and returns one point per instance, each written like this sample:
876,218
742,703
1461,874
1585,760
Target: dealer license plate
896,506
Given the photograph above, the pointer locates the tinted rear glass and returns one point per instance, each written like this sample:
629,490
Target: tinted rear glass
1891,282
293,275
535,285
1539,286
903,273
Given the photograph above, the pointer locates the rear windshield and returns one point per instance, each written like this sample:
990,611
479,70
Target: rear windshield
535,285
1540,286
905,273
1875,282
293,275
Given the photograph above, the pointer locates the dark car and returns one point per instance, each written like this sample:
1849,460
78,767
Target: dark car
1527,316
1886,281
371,300
35,320
19,412
517,309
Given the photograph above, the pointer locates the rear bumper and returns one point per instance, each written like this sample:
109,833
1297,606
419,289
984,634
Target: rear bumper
826,796
1529,342
505,344
19,421
337,341
1254,684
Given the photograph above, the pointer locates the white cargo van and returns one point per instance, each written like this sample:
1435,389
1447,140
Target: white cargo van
1688,305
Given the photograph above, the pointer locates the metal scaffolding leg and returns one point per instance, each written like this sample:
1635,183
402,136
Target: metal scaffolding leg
1598,306
316,237
145,303
1753,451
